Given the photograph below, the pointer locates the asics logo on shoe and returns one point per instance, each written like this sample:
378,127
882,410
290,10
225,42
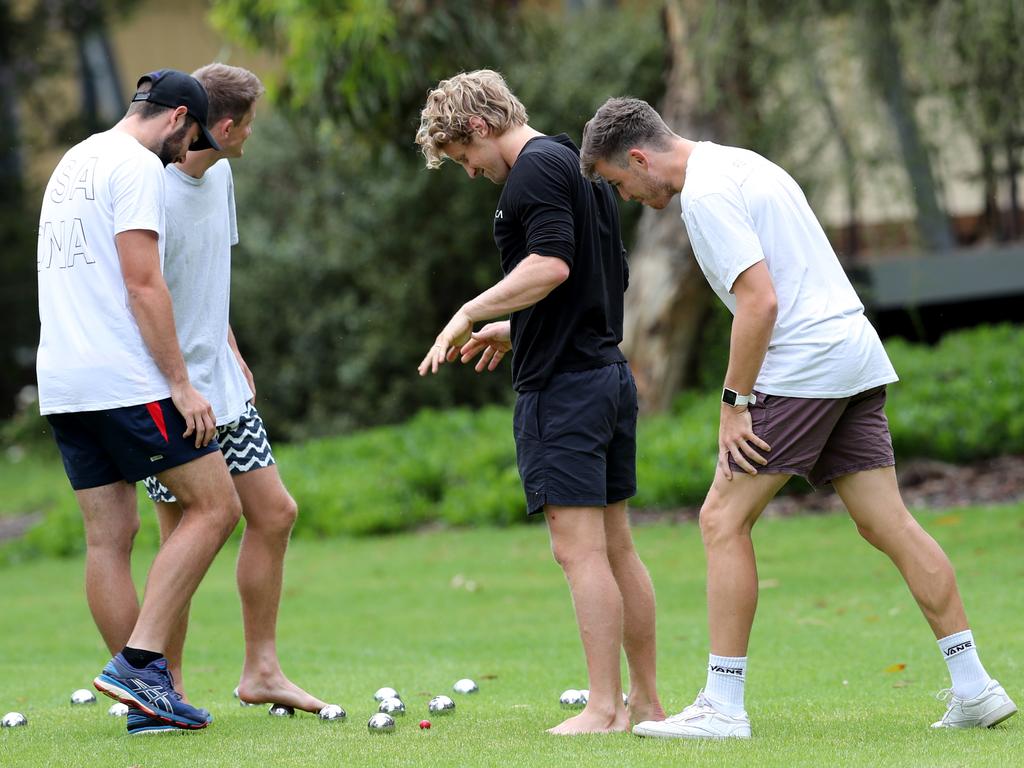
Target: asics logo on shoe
955,649
154,694
735,671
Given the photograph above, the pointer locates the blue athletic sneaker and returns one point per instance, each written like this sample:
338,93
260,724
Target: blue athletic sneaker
151,691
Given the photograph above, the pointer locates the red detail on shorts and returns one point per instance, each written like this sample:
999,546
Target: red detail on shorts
158,418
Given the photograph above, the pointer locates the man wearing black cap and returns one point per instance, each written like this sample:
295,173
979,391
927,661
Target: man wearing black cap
115,388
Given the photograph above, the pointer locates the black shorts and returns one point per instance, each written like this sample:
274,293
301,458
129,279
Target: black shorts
576,439
130,443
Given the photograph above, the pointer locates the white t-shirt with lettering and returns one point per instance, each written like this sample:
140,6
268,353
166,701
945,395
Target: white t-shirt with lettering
201,229
91,354
739,209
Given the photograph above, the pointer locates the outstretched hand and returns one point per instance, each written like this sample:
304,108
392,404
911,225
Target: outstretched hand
448,343
492,343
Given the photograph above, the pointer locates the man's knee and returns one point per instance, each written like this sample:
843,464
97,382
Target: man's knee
573,554
230,511
221,509
112,539
621,551
276,517
890,533
717,524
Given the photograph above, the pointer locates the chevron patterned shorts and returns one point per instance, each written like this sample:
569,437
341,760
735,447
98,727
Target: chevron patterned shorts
244,444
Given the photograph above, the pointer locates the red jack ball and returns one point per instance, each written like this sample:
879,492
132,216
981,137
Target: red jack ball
424,724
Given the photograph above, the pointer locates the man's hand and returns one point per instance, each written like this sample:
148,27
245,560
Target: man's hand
197,412
450,340
735,435
494,339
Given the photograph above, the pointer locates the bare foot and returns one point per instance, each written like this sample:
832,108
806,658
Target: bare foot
587,722
641,711
277,690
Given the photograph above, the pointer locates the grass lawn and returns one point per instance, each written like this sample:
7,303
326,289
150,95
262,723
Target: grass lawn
842,666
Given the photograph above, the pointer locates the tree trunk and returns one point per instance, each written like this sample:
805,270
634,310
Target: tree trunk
885,67
668,296
102,101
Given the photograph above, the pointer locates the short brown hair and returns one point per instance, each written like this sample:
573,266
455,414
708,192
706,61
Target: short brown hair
620,124
482,93
232,90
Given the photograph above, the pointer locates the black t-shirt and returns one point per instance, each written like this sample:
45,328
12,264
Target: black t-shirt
548,208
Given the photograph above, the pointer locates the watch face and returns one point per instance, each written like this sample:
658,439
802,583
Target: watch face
728,397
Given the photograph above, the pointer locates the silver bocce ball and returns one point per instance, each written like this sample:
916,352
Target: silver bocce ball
332,712
441,705
117,709
381,722
244,704
392,706
13,720
83,696
572,699
281,710
386,693
465,685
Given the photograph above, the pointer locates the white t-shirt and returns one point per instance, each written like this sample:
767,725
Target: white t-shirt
740,208
91,354
201,229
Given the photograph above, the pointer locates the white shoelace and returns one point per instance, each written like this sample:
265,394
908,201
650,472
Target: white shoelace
699,707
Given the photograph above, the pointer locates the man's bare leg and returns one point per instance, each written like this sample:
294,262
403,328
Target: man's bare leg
210,511
270,513
726,518
579,546
169,516
111,520
638,611
876,506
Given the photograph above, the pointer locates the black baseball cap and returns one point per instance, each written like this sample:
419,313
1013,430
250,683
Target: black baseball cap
171,88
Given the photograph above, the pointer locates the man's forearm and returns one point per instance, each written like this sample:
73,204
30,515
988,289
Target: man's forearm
154,313
532,280
751,333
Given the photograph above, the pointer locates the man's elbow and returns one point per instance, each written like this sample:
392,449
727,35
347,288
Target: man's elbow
558,272
140,290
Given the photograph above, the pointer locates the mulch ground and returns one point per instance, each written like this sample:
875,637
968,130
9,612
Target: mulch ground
923,482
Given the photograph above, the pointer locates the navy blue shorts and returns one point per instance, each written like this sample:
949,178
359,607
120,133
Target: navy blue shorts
130,443
576,439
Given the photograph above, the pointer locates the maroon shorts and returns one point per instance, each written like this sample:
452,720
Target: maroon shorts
821,440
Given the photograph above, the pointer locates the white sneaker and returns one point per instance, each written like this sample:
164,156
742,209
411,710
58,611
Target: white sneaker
988,708
700,720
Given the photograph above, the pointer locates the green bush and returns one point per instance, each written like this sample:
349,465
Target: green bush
456,466
958,401
961,400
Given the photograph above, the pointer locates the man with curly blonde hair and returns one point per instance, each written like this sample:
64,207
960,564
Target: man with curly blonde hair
575,416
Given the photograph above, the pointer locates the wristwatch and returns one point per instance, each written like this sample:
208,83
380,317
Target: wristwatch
735,399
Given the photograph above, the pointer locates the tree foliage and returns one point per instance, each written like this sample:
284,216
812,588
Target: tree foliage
352,255
366,63
37,39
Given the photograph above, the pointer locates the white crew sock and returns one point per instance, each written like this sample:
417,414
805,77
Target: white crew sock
969,677
726,675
